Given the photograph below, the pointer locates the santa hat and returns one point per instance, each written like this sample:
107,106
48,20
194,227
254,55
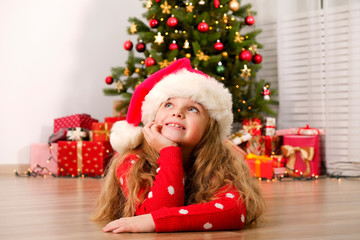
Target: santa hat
179,79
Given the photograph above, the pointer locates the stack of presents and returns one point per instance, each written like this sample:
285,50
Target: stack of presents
79,146
274,154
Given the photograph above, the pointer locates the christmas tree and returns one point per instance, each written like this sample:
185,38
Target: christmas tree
216,37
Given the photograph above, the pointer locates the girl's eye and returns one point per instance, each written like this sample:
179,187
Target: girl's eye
167,105
193,109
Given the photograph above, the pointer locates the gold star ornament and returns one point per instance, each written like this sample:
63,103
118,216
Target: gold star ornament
202,57
164,63
127,72
165,8
246,72
189,7
133,28
238,38
148,4
159,39
253,49
119,86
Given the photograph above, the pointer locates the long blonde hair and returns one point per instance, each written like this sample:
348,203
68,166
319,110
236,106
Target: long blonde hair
215,165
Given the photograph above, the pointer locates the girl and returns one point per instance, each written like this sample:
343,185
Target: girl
176,173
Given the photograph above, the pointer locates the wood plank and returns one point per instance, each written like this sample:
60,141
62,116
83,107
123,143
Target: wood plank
59,208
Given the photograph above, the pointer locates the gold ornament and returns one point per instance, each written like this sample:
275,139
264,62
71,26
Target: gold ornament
189,8
238,38
164,63
225,54
234,5
165,8
246,72
159,39
148,4
127,72
133,28
188,55
119,86
225,18
186,44
253,49
202,57
137,70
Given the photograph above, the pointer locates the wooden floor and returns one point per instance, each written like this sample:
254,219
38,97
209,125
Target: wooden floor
59,208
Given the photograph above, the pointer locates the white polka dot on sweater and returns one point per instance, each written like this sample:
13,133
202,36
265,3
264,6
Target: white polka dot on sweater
158,169
230,195
183,211
171,190
207,225
121,181
150,195
132,161
219,205
242,218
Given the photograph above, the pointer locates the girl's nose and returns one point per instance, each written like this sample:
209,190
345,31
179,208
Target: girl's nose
179,115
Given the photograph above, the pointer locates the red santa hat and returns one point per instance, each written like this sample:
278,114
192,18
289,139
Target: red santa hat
179,79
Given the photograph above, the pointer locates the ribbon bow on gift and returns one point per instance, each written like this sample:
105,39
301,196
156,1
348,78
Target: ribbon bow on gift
76,134
306,153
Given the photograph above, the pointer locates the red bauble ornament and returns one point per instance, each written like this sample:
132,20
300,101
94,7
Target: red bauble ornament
149,62
173,46
172,21
218,46
158,1
245,55
203,27
257,58
140,47
109,80
249,20
128,45
153,23
216,3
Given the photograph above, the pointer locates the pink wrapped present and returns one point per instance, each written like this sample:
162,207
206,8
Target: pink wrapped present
302,155
77,120
300,131
40,158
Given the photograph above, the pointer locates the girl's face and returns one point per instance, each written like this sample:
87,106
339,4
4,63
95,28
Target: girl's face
184,121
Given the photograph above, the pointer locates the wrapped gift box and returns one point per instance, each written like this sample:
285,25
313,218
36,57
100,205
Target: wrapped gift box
300,131
77,120
77,134
240,137
88,158
252,126
302,155
114,119
101,131
40,157
260,166
269,128
264,145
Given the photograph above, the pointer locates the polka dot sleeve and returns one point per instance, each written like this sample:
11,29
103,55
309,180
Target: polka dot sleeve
168,186
227,212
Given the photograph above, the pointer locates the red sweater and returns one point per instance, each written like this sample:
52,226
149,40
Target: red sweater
165,199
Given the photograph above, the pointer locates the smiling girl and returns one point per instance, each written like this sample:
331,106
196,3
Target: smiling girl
176,173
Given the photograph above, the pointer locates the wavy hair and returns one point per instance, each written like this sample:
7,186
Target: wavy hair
215,165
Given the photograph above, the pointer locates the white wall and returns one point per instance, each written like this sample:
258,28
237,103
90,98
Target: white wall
54,57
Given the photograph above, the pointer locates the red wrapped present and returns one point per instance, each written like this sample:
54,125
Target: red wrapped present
278,165
260,166
43,158
302,155
264,145
88,158
114,119
101,131
78,120
252,126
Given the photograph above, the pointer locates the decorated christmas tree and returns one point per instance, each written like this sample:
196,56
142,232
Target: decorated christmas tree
216,37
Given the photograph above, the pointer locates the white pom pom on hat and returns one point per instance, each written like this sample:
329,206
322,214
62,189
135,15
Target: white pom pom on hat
178,79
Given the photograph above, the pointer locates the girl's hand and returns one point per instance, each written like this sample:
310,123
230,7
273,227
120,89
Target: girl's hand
136,224
152,134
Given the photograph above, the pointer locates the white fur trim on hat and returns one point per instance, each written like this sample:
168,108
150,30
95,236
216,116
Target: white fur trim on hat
123,132
200,88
